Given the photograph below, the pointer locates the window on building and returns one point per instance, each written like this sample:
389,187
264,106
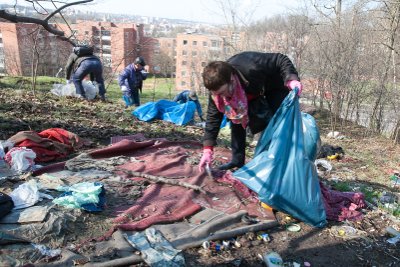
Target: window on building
205,43
184,63
183,73
203,64
184,52
183,83
86,32
194,53
214,43
185,42
194,43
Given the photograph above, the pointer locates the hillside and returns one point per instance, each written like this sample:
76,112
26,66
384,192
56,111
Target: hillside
367,165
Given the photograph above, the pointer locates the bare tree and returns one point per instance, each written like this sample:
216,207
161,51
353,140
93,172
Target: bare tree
48,16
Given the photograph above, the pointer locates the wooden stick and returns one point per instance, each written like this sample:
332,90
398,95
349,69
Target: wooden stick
165,180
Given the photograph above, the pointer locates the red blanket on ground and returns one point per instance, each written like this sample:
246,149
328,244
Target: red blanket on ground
161,203
50,144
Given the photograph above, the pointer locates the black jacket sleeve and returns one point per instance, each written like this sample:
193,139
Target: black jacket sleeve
70,65
213,123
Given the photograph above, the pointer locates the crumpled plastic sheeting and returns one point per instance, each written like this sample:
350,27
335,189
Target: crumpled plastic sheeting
156,250
20,158
47,251
27,194
60,89
83,195
53,231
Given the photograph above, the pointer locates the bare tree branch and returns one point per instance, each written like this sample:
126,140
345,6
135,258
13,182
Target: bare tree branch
43,22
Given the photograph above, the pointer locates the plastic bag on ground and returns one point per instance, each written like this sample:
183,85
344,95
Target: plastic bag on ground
60,89
281,173
20,158
166,110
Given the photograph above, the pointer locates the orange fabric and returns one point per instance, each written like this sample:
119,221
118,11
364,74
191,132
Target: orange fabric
50,144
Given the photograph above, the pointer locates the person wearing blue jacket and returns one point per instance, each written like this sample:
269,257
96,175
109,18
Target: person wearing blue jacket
131,80
189,95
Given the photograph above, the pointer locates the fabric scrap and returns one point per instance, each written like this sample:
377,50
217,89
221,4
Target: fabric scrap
156,250
85,195
50,144
341,206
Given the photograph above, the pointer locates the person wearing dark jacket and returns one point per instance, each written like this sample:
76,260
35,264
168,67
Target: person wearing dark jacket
78,67
189,95
248,88
131,81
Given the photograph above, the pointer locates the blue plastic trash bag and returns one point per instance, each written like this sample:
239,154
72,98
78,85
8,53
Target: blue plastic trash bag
281,173
312,139
171,111
179,114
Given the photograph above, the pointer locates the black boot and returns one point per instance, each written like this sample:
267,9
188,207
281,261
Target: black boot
230,165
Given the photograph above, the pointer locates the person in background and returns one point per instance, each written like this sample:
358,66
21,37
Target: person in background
131,81
79,65
189,95
248,88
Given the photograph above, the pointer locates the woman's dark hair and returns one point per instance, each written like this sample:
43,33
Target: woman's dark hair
216,74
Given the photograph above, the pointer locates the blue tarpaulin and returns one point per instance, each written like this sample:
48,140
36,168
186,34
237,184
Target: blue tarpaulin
282,172
166,110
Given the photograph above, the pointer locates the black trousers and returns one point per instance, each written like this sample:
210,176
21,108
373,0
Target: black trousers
238,143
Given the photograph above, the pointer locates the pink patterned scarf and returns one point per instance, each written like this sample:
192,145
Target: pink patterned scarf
234,107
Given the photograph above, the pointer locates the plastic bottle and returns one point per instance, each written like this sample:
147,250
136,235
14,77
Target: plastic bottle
273,259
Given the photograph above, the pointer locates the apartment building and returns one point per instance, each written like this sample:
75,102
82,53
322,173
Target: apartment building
24,46
165,56
193,52
117,45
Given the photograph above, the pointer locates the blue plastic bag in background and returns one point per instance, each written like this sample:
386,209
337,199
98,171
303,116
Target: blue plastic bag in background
166,110
282,173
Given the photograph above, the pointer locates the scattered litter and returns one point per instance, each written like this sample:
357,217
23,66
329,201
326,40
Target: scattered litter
335,135
344,231
323,166
272,259
293,227
156,250
20,158
396,235
86,195
264,237
249,220
47,251
206,245
27,194
395,178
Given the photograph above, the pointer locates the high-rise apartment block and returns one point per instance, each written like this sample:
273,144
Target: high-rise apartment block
117,45
193,52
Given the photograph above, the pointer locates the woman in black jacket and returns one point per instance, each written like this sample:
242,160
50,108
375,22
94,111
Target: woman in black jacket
248,89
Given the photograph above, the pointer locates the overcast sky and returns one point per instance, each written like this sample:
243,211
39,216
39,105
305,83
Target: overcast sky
195,10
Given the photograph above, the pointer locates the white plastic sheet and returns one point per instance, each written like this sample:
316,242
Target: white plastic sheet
60,89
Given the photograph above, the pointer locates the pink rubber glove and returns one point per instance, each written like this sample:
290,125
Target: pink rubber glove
207,158
293,84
